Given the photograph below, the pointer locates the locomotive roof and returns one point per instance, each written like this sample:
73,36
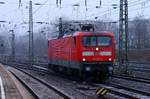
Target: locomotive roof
93,33
81,33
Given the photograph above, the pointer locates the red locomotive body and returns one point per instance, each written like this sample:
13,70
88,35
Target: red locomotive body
83,52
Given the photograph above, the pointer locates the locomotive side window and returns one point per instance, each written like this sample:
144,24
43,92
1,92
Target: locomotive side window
104,41
89,41
93,41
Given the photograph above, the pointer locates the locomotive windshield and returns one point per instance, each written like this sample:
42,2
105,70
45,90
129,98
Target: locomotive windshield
103,41
96,41
89,41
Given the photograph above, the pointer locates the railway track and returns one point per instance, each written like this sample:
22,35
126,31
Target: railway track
138,66
51,87
129,89
141,70
122,91
38,70
113,88
35,96
138,79
135,62
117,90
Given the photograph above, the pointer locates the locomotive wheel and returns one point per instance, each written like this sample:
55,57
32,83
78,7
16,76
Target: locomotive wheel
82,75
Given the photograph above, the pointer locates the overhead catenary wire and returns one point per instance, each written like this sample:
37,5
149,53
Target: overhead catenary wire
129,12
131,4
107,12
100,3
40,7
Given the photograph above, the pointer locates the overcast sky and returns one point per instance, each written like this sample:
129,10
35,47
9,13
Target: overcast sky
49,12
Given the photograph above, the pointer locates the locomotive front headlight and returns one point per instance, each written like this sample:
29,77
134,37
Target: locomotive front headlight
83,59
87,53
110,59
97,48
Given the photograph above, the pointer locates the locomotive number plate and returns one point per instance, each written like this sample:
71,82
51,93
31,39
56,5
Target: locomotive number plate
96,59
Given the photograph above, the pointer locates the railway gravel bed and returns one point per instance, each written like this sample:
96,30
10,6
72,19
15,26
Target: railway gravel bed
69,87
141,74
123,93
138,87
132,78
41,91
137,69
74,89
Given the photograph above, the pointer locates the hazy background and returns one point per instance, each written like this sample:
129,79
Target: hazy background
16,17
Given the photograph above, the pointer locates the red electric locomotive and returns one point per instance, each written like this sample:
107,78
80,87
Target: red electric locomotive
83,52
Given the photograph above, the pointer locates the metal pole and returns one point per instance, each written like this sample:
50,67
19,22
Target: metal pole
120,33
126,30
123,33
13,45
31,53
60,28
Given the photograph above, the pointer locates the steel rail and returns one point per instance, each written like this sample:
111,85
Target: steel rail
138,79
58,91
128,88
114,90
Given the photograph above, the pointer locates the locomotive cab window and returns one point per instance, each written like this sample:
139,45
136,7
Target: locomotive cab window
104,41
89,41
96,41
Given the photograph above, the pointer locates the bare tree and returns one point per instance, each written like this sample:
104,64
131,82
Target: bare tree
141,33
